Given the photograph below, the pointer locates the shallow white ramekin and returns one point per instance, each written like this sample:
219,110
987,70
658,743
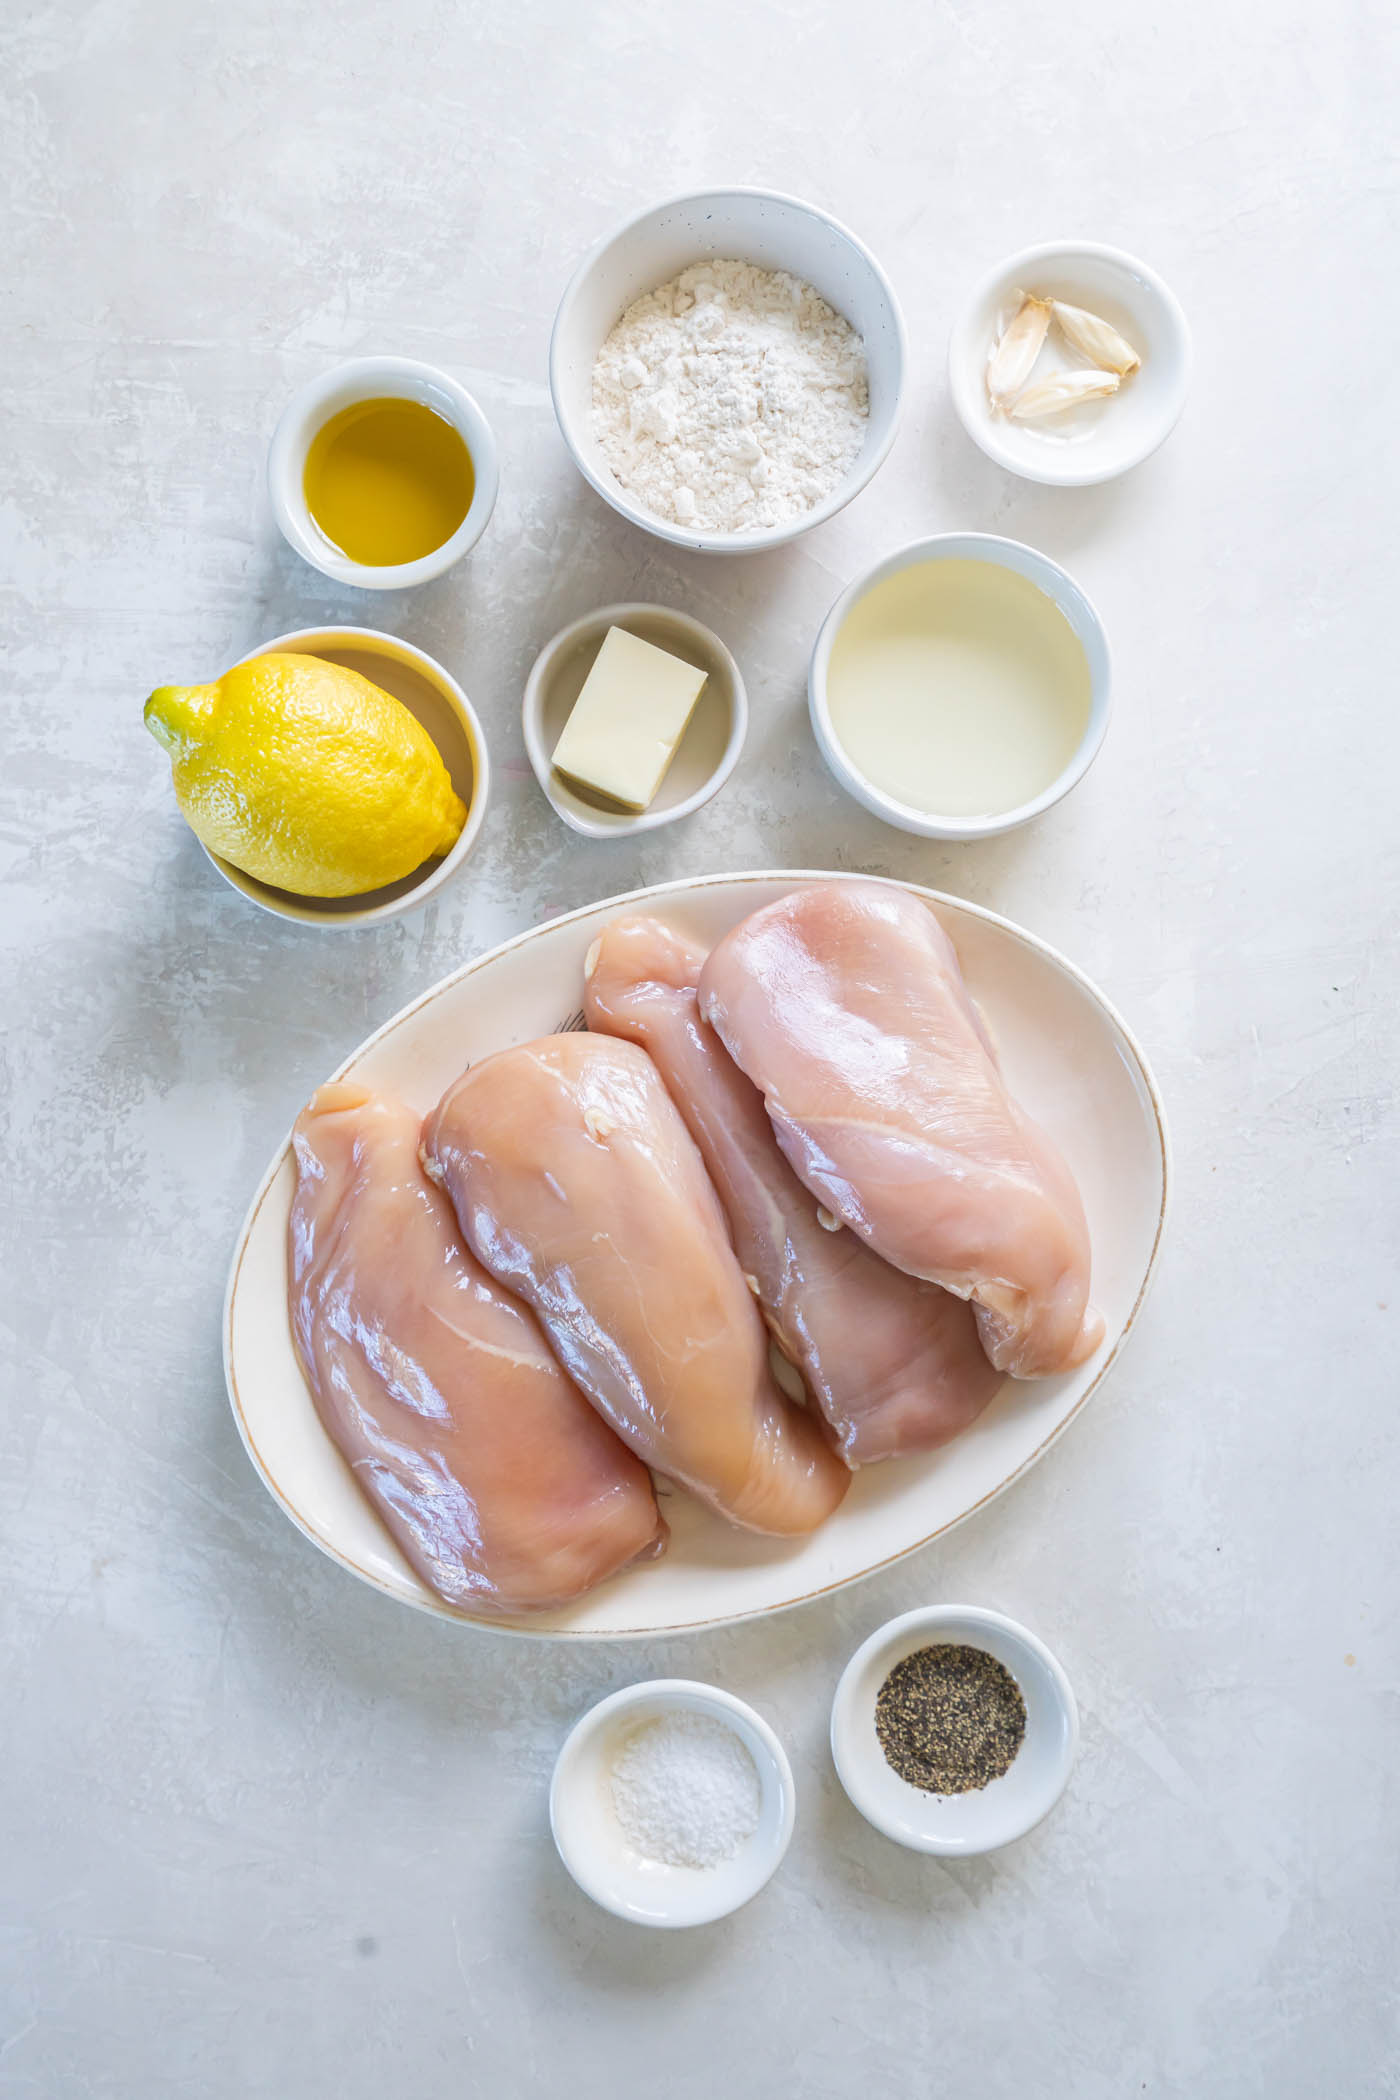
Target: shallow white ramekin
956,1825
377,379
708,751
593,1845
1120,432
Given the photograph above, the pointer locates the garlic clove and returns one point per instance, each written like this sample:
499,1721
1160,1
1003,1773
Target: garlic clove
1050,397
1102,345
1009,366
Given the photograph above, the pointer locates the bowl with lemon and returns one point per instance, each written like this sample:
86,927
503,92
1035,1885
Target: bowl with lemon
336,776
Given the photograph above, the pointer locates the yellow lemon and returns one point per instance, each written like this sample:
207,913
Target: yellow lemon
306,776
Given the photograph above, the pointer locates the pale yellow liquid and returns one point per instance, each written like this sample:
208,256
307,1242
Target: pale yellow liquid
388,481
958,688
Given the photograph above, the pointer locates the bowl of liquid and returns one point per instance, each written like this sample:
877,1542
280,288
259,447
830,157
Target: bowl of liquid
961,686
382,472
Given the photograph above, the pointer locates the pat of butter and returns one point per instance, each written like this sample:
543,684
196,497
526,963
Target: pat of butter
628,720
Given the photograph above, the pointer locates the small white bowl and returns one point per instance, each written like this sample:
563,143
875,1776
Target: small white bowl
1049,577
435,698
708,752
377,379
1105,438
748,225
956,1825
593,1845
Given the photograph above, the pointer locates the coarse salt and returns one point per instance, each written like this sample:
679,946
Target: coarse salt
686,1791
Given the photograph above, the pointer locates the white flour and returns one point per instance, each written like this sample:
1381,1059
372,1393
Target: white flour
730,398
686,1790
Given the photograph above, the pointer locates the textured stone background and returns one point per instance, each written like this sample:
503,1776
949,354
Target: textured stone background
265,1833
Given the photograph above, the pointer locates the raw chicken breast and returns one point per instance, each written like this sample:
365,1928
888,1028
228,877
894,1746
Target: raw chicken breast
497,1479
576,1183
893,1362
844,1003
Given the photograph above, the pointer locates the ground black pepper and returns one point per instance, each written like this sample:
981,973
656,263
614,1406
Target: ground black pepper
950,1719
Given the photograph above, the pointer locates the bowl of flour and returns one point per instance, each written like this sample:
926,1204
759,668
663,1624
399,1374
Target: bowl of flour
727,369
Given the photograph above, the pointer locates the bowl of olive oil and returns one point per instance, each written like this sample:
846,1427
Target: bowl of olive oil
382,472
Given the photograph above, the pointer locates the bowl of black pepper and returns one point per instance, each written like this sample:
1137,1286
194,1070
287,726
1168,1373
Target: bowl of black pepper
954,1729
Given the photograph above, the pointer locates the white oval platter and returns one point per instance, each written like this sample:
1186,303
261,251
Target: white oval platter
1067,1056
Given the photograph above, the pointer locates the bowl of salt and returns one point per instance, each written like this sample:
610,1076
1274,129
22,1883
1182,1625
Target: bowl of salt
672,1803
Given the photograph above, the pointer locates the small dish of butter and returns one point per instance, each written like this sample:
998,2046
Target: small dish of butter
633,716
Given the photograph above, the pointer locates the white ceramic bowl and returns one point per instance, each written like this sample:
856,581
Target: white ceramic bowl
708,752
435,698
375,379
748,225
956,1824
593,1845
1104,438
1049,577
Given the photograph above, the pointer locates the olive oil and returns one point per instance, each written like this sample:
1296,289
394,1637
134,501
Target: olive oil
388,481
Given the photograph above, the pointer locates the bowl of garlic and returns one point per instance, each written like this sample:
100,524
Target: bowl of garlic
1070,363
